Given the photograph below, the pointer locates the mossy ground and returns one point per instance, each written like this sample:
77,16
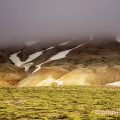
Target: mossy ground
60,103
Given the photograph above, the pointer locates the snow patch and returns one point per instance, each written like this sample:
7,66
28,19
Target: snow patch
60,55
50,48
45,82
58,82
17,61
115,83
33,56
118,38
65,43
30,42
26,66
63,53
57,56
38,68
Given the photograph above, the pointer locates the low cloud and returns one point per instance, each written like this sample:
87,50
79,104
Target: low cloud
26,20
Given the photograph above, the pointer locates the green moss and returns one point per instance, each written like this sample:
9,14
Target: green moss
54,103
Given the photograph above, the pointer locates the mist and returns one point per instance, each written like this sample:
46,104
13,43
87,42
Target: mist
31,20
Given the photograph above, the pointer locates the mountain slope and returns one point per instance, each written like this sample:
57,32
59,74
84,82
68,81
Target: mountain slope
10,75
43,77
91,76
77,54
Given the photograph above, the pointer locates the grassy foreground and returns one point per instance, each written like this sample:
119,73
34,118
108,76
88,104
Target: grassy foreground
60,103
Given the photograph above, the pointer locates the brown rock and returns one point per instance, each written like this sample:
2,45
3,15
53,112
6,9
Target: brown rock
10,75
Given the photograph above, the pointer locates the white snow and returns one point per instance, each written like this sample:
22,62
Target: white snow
67,41
45,82
33,56
30,42
50,48
118,38
38,68
57,56
63,53
17,61
64,43
59,82
60,55
115,83
26,66
80,45
48,82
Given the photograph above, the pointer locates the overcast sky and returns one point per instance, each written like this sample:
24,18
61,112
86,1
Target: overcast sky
23,20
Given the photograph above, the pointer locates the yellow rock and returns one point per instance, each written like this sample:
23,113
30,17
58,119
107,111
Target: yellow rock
91,76
43,77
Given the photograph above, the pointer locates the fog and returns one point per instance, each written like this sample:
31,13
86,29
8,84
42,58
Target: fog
26,20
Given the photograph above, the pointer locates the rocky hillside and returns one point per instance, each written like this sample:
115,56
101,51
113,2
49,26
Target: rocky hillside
10,75
43,77
76,61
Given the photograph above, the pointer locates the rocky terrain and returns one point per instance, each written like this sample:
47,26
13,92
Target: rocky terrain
10,75
72,61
